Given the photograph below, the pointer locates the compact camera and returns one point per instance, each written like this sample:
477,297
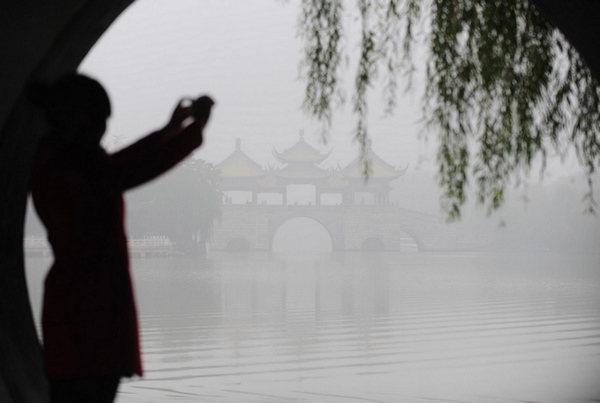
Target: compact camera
201,107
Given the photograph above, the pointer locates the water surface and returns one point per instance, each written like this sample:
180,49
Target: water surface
374,327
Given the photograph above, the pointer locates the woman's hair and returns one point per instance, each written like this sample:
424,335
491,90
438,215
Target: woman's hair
69,95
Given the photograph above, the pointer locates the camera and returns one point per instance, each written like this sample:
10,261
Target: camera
201,107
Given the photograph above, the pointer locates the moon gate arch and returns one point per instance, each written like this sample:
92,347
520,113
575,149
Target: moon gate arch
301,232
43,40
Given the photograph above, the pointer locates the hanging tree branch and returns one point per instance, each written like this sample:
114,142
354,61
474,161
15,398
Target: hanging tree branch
503,86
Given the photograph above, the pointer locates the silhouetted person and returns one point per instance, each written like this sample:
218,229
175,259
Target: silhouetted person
89,319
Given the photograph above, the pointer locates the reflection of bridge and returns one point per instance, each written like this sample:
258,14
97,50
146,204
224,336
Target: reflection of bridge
252,226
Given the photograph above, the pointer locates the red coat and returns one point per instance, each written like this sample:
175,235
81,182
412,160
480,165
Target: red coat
89,317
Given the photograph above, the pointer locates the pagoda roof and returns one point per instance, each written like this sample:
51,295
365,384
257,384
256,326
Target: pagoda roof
300,152
308,172
270,181
334,180
337,181
239,165
378,168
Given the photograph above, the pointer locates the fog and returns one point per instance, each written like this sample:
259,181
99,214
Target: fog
247,56
500,307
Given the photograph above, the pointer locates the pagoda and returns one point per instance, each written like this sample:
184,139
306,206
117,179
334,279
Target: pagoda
240,173
377,183
301,164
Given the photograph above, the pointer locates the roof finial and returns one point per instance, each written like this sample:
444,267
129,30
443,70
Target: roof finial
238,144
301,134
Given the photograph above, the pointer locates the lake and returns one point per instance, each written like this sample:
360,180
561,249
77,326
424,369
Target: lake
365,327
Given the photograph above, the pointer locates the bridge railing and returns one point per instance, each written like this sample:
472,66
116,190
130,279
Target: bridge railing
142,247
150,246
36,245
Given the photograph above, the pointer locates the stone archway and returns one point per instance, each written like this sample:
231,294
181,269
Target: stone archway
372,244
40,42
409,242
309,230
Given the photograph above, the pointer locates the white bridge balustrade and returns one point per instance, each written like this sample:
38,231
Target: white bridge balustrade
37,245
151,246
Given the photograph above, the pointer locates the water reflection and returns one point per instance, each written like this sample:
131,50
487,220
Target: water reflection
379,327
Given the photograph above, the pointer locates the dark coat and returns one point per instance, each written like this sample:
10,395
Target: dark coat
89,317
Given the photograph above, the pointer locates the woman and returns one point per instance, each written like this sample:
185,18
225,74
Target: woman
89,319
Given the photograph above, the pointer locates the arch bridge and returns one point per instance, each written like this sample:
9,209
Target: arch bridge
253,227
357,214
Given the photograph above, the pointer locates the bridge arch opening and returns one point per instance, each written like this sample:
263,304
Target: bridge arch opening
372,244
408,243
238,244
302,235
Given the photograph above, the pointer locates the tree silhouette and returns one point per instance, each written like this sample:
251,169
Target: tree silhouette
504,87
182,205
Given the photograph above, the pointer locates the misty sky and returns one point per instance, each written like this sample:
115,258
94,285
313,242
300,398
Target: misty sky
246,55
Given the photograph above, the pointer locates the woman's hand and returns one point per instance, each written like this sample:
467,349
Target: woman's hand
198,109
182,111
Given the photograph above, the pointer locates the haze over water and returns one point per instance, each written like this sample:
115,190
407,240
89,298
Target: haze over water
377,327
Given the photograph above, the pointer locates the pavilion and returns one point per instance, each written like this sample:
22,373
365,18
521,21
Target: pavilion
302,165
